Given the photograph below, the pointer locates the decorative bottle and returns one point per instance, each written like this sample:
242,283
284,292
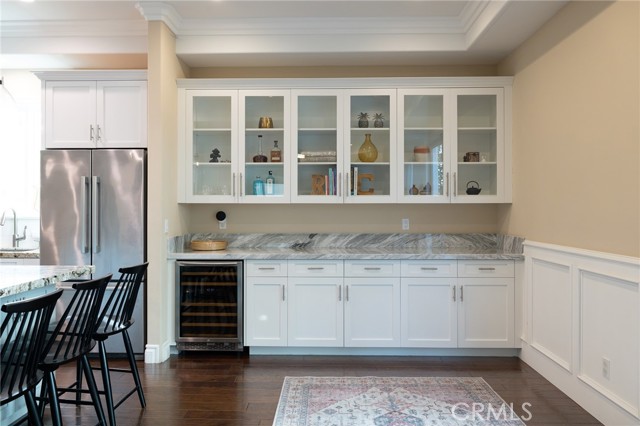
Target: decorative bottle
368,151
258,186
260,157
276,153
269,184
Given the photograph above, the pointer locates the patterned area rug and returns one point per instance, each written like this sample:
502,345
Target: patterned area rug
391,401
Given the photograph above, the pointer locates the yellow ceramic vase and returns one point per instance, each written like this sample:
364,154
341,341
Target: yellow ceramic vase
368,153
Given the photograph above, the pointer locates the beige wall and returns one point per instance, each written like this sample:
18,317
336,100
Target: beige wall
576,155
162,176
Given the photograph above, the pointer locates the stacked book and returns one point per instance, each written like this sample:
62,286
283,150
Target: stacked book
317,156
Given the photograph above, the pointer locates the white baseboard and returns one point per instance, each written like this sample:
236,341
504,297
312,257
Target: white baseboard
155,354
290,350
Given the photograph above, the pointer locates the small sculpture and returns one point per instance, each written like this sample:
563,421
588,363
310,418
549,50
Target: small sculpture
363,120
215,154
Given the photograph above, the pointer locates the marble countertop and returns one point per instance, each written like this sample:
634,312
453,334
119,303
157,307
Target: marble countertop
10,254
347,254
15,279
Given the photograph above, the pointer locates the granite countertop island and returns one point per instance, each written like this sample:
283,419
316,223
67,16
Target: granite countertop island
13,254
15,279
352,246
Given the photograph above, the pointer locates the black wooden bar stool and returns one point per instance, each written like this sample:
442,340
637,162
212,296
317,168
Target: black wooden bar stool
24,335
72,339
115,318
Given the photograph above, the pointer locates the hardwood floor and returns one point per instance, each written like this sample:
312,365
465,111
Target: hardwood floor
227,389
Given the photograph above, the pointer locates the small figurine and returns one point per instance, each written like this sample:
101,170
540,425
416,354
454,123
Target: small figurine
215,154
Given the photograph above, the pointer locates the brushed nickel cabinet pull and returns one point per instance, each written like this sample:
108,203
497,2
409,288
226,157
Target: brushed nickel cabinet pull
283,293
486,269
461,293
454,293
315,268
339,293
346,293
372,268
447,183
428,268
266,268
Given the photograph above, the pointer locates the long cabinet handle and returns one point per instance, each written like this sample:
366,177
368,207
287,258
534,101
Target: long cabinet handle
315,268
283,293
462,293
240,184
233,184
447,183
98,137
340,293
91,132
372,268
266,268
454,293
346,293
86,220
486,269
95,207
346,185
455,184
430,268
339,185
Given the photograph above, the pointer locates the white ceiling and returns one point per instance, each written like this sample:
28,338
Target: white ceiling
42,33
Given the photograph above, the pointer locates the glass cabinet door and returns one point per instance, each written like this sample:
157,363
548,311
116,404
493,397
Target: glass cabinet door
478,143
422,146
317,143
211,151
370,146
264,146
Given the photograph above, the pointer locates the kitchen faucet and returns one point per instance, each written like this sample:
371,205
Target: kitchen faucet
15,237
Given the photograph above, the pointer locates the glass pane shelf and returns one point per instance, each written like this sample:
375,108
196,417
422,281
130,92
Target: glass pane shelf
422,129
316,163
476,163
469,129
210,129
258,130
203,164
317,129
421,163
370,164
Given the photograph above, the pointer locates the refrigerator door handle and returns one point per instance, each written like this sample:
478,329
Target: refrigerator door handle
95,209
84,200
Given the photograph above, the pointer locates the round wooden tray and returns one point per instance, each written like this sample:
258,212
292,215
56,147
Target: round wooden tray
208,245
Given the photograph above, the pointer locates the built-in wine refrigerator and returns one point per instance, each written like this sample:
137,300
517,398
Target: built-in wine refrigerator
209,305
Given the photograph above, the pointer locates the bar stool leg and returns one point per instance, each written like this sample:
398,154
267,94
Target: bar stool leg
106,382
78,382
93,389
32,408
53,398
134,367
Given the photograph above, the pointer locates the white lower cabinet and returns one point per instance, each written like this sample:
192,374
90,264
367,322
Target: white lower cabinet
468,307
412,304
266,303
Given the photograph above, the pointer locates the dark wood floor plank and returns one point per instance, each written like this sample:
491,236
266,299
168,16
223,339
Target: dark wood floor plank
228,389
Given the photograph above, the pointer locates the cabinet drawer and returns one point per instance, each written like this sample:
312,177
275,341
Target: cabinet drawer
315,268
271,268
367,268
429,268
486,268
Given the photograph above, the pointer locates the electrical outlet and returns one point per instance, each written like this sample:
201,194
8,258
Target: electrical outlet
166,226
606,368
222,224
405,224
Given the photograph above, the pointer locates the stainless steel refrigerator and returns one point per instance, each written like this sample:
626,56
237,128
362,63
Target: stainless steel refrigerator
92,212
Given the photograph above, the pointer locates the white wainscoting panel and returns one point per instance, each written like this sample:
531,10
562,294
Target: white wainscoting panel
582,327
608,332
551,310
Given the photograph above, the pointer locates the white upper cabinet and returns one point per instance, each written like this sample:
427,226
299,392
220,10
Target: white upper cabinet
334,141
317,141
451,145
211,161
264,146
94,113
370,146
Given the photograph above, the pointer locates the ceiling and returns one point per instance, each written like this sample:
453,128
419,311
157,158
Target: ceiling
227,33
